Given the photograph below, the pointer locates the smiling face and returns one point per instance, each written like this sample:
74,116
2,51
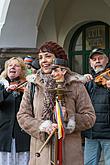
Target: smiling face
45,61
14,69
58,73
98,62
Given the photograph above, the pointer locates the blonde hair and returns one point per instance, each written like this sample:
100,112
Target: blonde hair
21,63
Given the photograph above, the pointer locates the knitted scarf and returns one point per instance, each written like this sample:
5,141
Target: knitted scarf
49,97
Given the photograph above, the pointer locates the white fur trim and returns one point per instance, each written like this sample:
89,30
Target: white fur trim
71,125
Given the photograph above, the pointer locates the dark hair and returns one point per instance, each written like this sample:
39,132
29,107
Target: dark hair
53,47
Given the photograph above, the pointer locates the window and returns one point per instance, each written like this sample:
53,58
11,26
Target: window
87,37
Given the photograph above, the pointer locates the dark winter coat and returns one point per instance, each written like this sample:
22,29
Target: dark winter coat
100,97
9,128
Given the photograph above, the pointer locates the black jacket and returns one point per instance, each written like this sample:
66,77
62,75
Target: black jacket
9,127
100,97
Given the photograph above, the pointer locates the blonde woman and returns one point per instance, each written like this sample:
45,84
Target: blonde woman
14,143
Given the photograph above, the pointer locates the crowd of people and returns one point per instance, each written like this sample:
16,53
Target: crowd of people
29,93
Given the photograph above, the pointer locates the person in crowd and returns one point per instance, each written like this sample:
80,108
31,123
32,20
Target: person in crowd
39,120
14,142
98,137
34,67
28,62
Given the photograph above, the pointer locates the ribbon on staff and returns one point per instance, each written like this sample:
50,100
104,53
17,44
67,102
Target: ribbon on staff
59,119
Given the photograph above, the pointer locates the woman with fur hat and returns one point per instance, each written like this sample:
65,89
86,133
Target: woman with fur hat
38,120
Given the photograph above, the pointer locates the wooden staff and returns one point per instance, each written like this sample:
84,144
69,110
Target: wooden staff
47,140
59,91
54,149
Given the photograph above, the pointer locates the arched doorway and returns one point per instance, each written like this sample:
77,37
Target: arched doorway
87,37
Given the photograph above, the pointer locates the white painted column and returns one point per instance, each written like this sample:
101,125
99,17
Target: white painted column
4,4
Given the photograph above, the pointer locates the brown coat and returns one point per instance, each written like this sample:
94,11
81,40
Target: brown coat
77,102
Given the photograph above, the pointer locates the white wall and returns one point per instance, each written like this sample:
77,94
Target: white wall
62,16
54,22
4,4
20,26
47,26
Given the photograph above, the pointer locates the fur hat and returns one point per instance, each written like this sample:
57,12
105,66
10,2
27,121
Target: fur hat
54,48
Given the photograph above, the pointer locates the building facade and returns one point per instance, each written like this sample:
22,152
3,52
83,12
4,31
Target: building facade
77,25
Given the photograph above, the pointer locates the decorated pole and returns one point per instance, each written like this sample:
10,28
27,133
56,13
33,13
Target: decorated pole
58,72
59,120
58,114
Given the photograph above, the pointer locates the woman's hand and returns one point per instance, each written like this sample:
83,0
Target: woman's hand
49,130
70,125
47,126
11,87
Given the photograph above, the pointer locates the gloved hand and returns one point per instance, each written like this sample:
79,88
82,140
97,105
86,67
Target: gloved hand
70,125
46,124
43,129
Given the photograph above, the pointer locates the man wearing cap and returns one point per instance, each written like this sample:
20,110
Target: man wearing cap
98,137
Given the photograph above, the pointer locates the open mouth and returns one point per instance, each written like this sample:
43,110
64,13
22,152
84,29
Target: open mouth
98,66
12,71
